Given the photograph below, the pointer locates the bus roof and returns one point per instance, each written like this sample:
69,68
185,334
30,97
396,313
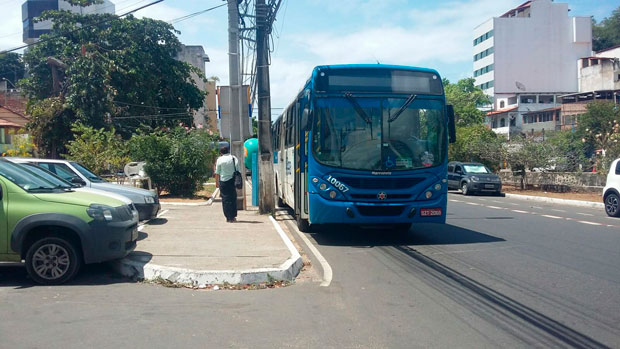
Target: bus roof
373,66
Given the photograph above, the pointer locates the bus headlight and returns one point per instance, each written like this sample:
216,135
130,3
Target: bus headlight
332,194
323,186
437,186
428,194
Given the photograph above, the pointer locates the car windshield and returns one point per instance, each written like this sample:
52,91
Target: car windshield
476,169
385,134
87,173
50,177
25,178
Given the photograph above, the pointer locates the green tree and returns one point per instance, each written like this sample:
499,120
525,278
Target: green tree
599,127
100,150
606,34
569,151
477,143
50,126
524,153
121,72
11,67
178,161
466,98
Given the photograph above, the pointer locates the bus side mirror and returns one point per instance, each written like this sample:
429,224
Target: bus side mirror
451,125
304,119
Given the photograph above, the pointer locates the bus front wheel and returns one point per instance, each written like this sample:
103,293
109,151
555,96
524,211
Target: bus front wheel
303,225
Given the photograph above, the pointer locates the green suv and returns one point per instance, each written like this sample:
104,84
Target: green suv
55,229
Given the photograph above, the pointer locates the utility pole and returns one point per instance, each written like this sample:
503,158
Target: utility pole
266,196
236,111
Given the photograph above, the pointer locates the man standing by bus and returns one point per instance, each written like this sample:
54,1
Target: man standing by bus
225,168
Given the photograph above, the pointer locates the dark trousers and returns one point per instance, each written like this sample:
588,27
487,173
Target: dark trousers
229,198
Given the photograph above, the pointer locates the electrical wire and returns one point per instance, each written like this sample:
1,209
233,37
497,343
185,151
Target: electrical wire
52,37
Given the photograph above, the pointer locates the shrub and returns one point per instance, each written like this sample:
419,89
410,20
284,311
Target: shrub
178,160
99,150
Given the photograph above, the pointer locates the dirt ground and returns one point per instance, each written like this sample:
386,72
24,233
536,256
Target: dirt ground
594,197
201,196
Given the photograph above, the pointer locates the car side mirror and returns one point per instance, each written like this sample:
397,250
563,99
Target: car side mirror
78,181
451,124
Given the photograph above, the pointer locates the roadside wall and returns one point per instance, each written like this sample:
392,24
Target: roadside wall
585,182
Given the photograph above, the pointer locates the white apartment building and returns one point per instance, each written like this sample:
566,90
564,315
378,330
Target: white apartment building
526,58
34,8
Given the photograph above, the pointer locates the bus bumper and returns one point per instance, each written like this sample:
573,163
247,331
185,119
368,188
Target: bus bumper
323,211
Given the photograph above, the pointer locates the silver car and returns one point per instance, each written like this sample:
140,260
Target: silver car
145,201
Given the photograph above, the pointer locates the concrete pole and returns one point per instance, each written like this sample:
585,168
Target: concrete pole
236,131
266,196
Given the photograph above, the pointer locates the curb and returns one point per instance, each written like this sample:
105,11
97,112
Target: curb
288,270
208,203
557,201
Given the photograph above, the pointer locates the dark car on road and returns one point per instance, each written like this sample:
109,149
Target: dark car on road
473,177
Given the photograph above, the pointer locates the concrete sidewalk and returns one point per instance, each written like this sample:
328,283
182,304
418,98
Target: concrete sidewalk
195,245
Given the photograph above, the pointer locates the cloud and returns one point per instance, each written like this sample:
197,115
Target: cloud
442,34
160,11
10,28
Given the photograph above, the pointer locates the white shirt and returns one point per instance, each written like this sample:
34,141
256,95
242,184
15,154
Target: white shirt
226,166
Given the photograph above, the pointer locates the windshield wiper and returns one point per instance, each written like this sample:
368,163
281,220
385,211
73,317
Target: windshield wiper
402,108
360,112
358,108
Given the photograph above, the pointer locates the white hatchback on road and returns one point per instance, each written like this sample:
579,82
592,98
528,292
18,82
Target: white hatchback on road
611,192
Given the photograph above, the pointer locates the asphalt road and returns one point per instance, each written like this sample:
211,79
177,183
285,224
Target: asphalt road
502,273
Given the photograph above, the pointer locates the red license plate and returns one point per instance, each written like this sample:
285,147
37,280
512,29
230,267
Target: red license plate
430,212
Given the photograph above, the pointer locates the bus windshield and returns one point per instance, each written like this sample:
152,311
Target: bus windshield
377,134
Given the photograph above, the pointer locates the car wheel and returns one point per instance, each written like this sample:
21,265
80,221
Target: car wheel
465,189
611,205
52,261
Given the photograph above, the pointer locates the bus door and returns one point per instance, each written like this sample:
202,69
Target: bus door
297,151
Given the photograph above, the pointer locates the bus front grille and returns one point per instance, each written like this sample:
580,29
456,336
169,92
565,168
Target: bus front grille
380,183
380,210
374,196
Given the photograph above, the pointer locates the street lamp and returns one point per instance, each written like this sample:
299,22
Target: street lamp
6,90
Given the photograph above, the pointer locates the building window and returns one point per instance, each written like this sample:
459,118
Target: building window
483,54
494,123
502,122
483,37
502,104
528,99
513,121
2,135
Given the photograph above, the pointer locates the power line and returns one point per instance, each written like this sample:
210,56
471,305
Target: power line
186,17
49,38
147,106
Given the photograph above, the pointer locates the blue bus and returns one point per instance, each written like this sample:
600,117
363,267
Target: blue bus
365,145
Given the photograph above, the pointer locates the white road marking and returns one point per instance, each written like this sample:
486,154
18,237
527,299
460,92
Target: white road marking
550,216
556,210
591,223
540,208
585,214
481,199
495,207
497,202
327,269
513,204
161,213
455,200
473,204
519,211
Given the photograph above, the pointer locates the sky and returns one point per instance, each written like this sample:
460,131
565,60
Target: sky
435,34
